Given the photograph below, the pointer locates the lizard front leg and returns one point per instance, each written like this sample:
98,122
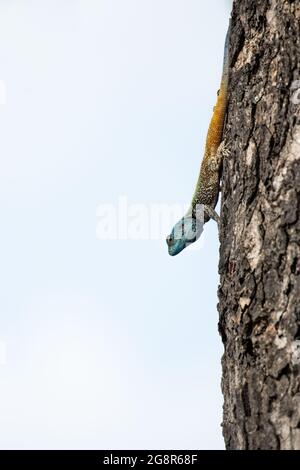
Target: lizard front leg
212,214
215,164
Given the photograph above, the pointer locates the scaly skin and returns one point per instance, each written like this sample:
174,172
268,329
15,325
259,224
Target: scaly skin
190,227
208,184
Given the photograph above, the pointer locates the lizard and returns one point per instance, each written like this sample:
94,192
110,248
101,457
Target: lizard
202,208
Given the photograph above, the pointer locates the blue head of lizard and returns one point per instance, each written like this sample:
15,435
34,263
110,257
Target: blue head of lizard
184,233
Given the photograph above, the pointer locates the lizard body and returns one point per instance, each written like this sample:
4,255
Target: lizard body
188,229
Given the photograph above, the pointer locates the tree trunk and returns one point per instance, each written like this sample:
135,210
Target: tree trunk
259,294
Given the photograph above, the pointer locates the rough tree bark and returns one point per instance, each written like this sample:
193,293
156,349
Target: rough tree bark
259,294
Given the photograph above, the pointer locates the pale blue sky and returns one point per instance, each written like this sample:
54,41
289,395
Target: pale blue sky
109,344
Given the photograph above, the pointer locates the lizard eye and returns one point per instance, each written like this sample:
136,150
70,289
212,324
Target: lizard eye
170,240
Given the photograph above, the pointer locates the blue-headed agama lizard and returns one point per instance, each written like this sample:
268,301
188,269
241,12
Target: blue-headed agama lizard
205,198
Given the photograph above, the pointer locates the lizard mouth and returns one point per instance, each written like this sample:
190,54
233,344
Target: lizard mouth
175,247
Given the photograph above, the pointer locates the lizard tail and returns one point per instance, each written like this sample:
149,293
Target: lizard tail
226,55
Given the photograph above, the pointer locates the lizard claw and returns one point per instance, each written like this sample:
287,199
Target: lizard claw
224,149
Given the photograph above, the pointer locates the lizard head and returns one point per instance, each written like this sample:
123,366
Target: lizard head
183,234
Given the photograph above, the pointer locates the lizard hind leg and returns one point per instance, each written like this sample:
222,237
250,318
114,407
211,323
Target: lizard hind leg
216,159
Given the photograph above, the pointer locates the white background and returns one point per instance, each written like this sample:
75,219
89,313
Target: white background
106,344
